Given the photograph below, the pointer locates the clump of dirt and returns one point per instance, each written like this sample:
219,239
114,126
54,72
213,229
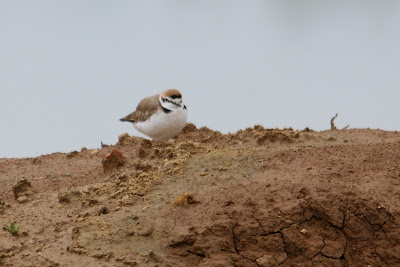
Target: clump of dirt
202,135
183,200
69,196
22,190
113,160
273,137
258,197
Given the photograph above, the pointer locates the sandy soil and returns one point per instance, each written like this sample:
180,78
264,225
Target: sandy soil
259,197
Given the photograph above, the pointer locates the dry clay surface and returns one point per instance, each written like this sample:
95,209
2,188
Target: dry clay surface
259,197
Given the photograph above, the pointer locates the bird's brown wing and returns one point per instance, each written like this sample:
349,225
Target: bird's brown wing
144,109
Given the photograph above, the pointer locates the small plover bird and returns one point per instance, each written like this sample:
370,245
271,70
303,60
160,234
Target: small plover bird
160,117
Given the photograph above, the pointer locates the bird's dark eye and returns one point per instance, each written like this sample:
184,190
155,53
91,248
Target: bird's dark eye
175,96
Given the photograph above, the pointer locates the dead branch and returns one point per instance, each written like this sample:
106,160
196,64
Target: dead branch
333,127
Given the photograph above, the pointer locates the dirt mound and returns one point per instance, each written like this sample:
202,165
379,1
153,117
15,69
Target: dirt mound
332,206
258,197
245,225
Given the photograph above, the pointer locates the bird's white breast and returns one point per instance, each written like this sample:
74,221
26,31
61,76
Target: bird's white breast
163,126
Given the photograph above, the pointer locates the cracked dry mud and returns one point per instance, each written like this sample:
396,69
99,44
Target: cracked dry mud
259,197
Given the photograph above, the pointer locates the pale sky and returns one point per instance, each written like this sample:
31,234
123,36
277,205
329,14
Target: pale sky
70,69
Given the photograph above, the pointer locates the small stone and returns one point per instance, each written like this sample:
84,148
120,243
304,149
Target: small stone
303,231
146,231
183,200
102,209
22,199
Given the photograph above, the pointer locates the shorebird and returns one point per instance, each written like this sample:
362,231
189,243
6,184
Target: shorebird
161,116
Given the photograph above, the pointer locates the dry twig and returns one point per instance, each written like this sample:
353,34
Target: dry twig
333,127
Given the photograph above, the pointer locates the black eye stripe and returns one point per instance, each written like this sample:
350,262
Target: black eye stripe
175,96
170,101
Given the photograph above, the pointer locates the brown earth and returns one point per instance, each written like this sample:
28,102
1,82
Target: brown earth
259,197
